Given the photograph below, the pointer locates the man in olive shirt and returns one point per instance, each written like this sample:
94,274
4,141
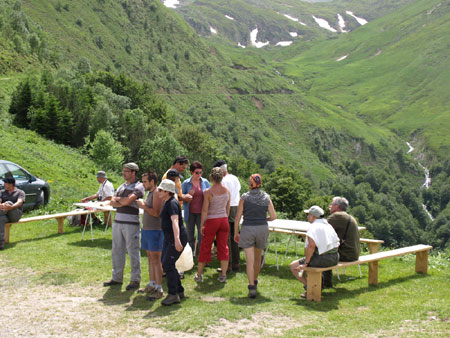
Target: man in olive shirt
346,228
11,201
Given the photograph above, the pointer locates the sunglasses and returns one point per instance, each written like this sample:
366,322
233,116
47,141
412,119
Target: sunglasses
198,172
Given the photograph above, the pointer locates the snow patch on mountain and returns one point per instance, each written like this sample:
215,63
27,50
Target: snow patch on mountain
229,17
171,3
324,24
253,35
341,23
361,21
293,34
213,31
342,58
284,43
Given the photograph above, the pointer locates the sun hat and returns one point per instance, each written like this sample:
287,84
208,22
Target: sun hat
101,173
315,210
167,185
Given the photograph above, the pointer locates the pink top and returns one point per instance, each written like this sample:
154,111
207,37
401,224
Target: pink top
195,206
218,206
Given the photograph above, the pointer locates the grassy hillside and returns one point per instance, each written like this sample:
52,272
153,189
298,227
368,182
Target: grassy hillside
395,74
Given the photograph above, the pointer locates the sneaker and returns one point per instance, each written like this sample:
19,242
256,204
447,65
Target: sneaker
132,285
170,299
156,294
222,279
148,289
111,283
198,278
251,291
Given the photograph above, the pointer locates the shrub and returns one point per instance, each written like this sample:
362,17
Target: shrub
106,151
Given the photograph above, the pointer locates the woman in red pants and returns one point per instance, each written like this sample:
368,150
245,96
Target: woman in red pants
214,224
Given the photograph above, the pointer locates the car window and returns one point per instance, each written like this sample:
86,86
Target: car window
16,172
3,171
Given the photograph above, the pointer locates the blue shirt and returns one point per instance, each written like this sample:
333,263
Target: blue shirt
186,187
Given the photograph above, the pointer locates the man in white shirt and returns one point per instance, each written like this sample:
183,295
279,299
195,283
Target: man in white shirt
105,193
321,245
234,186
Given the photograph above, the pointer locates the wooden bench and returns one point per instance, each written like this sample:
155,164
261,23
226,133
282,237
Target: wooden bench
59,217
314,275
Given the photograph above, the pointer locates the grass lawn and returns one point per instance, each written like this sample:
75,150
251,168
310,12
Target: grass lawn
404,304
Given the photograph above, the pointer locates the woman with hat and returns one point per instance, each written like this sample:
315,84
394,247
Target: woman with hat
321,245
254,206
175,238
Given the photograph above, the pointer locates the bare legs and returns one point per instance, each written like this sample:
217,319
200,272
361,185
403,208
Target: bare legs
154,266
253,263
295,268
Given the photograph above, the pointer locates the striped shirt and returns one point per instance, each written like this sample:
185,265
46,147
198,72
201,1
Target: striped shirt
129,214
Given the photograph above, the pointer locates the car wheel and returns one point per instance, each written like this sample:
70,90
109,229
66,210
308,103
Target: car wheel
40,199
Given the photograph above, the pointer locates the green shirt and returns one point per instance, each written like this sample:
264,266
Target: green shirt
350,249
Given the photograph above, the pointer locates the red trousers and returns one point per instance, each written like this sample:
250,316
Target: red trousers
215,228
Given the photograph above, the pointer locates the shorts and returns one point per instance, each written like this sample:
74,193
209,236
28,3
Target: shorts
152,240
254,236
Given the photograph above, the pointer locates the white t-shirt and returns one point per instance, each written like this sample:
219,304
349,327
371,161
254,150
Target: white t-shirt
323,235
105,190
232,183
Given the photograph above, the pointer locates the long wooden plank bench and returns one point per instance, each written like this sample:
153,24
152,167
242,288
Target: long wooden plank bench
314,275
59,217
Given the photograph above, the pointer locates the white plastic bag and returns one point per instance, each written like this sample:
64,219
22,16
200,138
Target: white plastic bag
185,262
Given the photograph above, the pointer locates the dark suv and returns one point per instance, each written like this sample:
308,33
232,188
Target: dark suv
37,191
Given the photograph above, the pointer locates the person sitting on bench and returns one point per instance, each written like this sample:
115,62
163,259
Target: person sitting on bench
11,201
346,228
321,245
105,193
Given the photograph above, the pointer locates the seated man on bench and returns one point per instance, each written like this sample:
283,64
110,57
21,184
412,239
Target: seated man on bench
321,245
11,201
346,228
105,193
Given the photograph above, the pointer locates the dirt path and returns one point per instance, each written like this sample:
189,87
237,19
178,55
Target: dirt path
72,310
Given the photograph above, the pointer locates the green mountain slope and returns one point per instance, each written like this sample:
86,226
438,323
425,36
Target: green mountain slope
396,73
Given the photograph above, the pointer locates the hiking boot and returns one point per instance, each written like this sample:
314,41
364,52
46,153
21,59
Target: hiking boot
198,278
111,283
132,285
222,279
252,291
156,294
256,284
170,299
181,295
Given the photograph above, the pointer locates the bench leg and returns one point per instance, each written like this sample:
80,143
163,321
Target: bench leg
373,273
60,225
373,247
314,286
7,227
422,262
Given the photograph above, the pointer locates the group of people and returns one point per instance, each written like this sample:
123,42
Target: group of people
212,214
215,212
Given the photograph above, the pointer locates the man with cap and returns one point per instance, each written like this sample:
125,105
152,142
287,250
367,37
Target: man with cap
126,228
234,186
179,164
105,193
11,201
321,245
